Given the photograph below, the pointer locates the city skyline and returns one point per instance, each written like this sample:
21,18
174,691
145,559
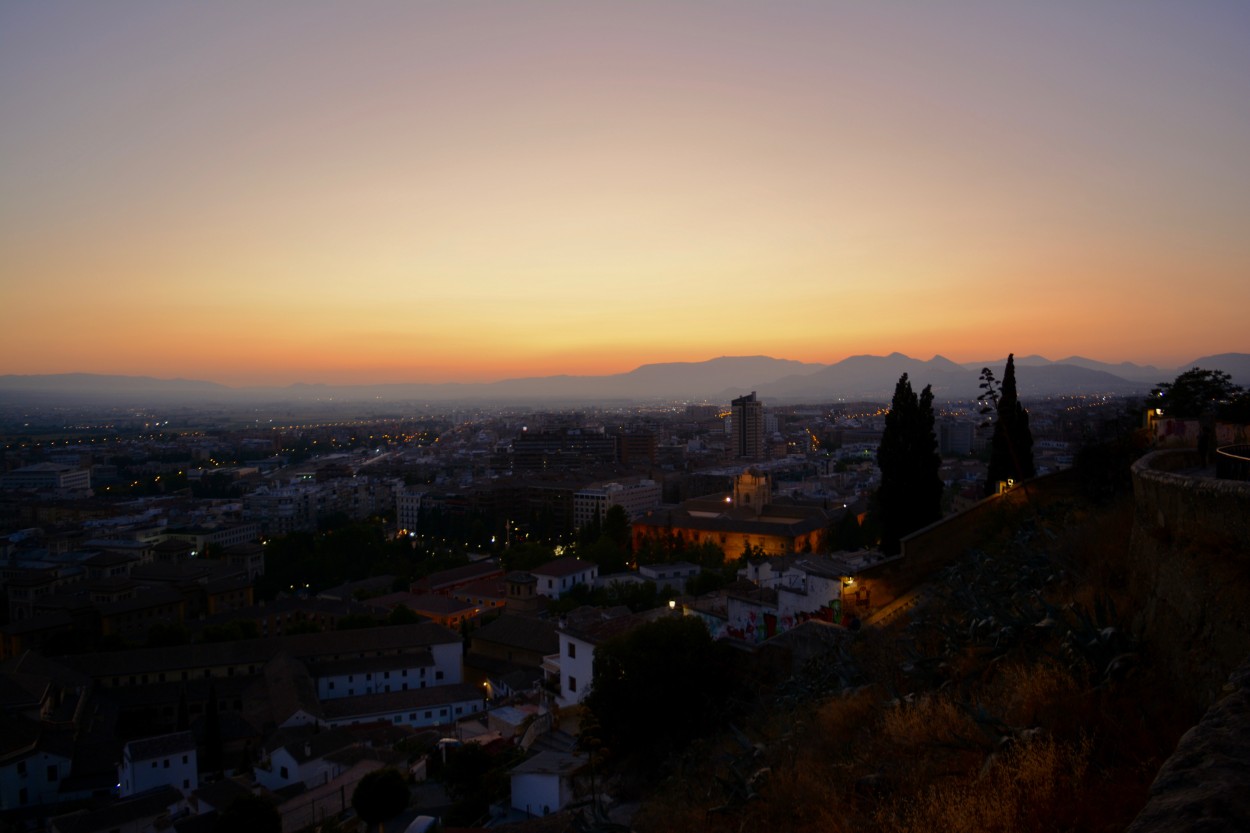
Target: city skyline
378,193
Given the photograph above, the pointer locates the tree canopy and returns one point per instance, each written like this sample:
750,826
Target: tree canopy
910,495
1197,393
379,796
1011,446
658,687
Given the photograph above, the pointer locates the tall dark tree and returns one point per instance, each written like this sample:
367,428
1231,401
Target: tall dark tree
1011,446
616,525
910,496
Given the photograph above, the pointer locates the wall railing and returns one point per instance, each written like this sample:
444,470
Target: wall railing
1232,462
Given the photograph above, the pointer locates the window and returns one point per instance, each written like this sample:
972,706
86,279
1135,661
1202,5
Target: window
572,651
184,759
438,675
429,714
186,783
52,773
331,685
21,768
154,765
572,684
283,772
166,764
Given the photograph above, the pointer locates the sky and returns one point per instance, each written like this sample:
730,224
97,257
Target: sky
308,191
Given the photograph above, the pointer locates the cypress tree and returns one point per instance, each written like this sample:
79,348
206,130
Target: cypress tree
910,495
1011,447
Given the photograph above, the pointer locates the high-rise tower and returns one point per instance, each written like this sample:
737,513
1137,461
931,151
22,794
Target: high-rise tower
748,427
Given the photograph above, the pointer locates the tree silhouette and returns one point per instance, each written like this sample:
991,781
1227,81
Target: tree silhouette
381,795
1195,393
910,495
658,687
1011,446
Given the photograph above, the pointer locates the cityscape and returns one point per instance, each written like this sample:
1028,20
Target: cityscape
573,417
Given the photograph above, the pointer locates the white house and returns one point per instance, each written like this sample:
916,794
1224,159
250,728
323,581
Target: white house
379,675
544,783
789,591
673,575
32,776
555,578
579,633
303,758
165,760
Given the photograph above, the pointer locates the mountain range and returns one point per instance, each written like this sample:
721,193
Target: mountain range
776,381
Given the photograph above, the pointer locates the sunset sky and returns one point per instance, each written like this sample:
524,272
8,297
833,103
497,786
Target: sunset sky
271,192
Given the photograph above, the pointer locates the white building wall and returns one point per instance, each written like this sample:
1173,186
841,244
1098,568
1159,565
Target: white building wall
447,663
577,663
538,793
434,715
178,770
554,587
399,678
39,775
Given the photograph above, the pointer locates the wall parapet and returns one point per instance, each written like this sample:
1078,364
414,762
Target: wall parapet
1191,566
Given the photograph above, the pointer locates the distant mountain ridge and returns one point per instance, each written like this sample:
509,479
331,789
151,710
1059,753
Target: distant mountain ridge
776,381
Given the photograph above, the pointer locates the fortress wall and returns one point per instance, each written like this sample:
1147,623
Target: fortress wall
1190,553
1191,560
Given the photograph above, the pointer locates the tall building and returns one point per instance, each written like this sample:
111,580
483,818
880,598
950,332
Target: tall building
747,440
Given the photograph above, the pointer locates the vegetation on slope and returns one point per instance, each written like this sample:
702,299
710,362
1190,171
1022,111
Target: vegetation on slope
1015,699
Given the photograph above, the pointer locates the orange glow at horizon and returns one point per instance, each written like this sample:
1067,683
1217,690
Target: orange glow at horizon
467,194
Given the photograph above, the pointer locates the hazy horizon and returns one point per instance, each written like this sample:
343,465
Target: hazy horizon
323,193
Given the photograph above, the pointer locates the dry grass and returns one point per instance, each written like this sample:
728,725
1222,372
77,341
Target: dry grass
1031,787
1021,745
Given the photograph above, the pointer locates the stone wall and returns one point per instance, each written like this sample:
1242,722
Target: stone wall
1191,561
1190,553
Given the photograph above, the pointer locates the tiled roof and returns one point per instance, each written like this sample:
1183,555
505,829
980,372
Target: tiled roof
363,665
315,646
549,763
368,706
524,632
459,575
161,745
562,567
